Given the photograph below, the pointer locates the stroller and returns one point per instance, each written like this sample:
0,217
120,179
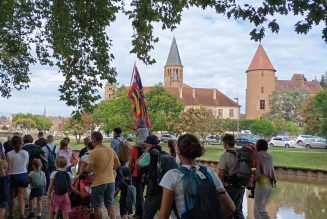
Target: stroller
81,204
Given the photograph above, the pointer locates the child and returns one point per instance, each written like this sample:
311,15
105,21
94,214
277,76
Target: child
60,182
4,188
125,205
66,152
38,182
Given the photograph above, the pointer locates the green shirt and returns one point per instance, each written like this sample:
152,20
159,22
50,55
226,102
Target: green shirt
38,179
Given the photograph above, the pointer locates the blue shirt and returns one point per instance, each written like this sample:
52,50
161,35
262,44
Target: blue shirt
115,143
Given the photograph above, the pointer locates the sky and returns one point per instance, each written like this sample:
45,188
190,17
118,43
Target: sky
215,53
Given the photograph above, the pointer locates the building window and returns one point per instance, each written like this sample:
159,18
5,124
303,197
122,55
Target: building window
262,104
220,113
231,113
262,74
262,90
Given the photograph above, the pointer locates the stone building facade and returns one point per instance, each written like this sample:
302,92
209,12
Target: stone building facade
262,81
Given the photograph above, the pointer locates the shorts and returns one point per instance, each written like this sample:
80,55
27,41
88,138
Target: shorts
60,203
36,192
19,180
103,194
4,191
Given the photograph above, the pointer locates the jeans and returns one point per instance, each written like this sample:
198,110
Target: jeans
103,194
261,196
236,194
152,204
47,176
137,182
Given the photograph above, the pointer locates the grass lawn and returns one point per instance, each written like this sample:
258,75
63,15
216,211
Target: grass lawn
291,157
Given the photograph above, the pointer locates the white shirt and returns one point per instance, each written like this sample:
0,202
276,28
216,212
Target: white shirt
172,181
18,161
85,157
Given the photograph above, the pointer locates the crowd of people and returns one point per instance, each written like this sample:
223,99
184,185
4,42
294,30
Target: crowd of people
149,180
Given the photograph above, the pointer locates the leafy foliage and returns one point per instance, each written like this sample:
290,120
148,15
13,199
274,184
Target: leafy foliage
263,127
78,126
73,36
196,121
283,127
28,121
164,109
315,114
115,112
287,105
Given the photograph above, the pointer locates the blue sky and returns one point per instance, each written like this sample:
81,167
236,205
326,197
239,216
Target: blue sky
215,53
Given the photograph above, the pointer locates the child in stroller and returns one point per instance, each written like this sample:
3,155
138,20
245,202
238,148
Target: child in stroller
80,197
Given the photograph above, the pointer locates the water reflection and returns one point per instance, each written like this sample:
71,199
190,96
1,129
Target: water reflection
295,198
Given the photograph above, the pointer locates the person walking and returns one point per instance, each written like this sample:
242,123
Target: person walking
265,180
50,155
34,151
60,184
66,152
227,166
17,160
102,161
38,183
115,145
4,188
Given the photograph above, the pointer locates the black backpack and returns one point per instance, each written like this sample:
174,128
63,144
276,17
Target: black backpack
61,182
165,162
200,195
243,167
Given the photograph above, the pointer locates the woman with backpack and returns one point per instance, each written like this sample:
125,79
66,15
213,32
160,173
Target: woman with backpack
17,160
192,180
60,184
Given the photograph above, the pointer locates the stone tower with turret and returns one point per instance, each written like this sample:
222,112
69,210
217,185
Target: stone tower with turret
109,91
261,82
173,76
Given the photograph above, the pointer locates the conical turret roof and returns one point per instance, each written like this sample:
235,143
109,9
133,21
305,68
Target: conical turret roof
260,61
173,57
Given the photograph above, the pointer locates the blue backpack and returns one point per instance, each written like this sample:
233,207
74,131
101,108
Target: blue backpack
131,193
51,158
61,183
200,195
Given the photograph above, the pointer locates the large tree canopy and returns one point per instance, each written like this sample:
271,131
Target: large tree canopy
72,35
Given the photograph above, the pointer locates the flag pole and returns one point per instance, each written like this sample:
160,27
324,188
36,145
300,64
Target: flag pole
130,84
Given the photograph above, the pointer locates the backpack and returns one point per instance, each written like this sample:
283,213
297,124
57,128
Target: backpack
200,195
61,182
51,158
165,162
124,149
244,162
131,193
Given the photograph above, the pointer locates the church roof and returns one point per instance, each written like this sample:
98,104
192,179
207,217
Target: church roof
260,61
202,96
173,56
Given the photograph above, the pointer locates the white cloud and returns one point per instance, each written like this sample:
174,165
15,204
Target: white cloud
215,53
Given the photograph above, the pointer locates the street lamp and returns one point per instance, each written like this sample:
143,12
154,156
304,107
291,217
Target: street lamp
238,116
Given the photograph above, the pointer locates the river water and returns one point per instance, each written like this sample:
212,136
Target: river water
295,198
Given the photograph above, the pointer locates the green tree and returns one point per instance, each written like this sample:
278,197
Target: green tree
72,35
116,112
37,121
317,109
163,109
196,121
311,117
78,126
287,105
323,80
263,127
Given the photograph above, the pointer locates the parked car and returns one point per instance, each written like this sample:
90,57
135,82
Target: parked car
108,137
242,141
166,137
315,142
281,141
211,139
302,138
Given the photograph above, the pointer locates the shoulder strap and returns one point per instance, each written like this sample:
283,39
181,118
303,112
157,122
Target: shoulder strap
54,149
231,151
